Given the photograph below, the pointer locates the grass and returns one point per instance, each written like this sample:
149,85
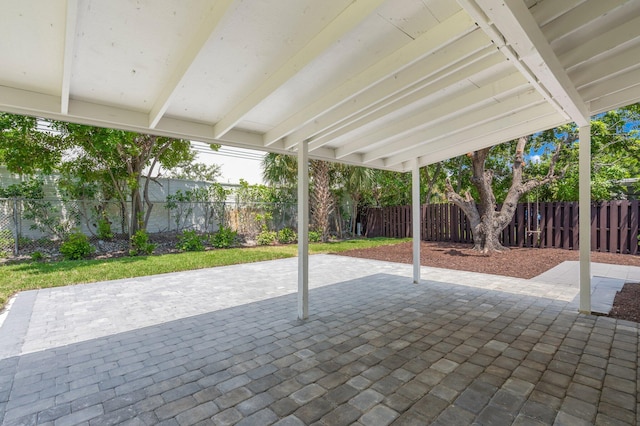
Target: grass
36,275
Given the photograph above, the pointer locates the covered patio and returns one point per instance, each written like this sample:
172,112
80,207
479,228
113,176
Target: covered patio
390,84
223,346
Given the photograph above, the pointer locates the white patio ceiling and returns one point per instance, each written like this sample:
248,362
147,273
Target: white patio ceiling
369,82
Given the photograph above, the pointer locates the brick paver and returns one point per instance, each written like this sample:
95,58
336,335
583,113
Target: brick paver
223,346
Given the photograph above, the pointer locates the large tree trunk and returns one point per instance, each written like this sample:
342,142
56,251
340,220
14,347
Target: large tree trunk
486,221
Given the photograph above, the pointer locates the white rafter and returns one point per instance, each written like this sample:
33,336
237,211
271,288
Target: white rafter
578,17
518,124
465,97
602,71
343,23
407,147
616,100
545,12
470,100
189,54
514,22
67,59
602,44
452,76
446,32
402,88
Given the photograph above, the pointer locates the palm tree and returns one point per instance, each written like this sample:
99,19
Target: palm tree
357,181
281,170
321,198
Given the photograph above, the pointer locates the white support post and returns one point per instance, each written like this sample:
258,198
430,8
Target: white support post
585,218
303,230
415,219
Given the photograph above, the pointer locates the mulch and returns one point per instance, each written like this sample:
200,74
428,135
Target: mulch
517,262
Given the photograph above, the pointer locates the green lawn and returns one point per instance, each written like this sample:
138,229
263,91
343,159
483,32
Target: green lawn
34,275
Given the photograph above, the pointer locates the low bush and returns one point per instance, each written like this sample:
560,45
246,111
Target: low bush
37,256
76,247
104,229
314,237
286,236
190,241
140,244
225,237
266,238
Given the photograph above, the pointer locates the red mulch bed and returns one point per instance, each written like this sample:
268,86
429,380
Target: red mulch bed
517,262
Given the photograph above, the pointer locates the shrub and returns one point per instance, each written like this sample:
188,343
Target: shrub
225,237
314,237
140,244
37,256
266,238
286,236
190,241
104,229
76,247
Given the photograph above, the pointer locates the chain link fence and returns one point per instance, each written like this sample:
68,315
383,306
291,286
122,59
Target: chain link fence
29,226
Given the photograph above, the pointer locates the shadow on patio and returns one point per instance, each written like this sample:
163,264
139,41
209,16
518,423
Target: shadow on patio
376,350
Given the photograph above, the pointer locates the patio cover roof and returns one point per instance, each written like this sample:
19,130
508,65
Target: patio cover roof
377,83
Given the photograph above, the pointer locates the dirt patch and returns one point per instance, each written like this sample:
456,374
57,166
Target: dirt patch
626,304
518,262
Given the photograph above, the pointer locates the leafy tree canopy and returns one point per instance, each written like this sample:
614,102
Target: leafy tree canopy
196,171
27,150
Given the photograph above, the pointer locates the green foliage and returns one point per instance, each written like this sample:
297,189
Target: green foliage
44,215
210,198
263,220
266,238
615,155
6,239
314,236
37,256
386,188
140,244
252,194
217,193
76,247
104,228
286,236
190,241
392,188
32,189
27,150
116,160
197,171
225,237
181,207
280,170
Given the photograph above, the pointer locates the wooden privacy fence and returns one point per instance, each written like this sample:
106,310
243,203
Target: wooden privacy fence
614,225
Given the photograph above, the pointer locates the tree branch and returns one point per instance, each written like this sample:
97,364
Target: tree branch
468,205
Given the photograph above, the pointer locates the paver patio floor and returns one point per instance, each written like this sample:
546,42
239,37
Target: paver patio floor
223,346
